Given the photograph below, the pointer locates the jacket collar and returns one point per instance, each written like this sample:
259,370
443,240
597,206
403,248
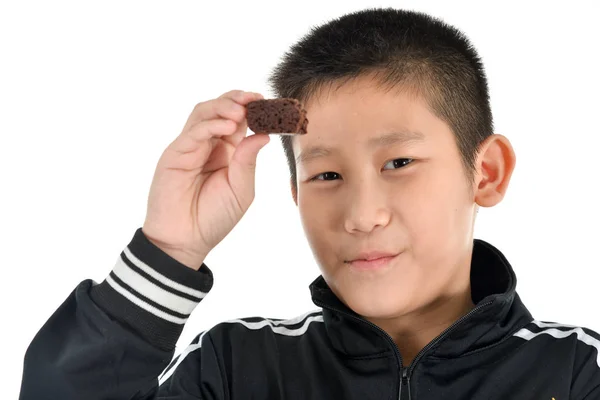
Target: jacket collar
498,312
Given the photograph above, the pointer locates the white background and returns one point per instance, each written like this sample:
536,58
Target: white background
92,92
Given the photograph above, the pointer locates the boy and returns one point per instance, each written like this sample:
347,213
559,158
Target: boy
398,157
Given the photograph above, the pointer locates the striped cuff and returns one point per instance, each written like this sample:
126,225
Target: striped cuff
151,293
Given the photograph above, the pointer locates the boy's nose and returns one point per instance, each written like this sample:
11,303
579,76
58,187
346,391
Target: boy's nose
367,209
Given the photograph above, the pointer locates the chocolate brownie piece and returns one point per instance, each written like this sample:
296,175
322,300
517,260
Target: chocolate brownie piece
279,116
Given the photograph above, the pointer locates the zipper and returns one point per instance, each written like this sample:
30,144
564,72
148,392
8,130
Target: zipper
405,373
442,335
401,370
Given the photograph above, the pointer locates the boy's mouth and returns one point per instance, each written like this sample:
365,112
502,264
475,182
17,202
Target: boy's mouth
372,259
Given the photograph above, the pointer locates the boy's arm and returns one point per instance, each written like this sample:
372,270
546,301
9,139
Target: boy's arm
113,340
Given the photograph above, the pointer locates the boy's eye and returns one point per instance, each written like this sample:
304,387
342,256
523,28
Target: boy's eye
394,164
326,176
398,163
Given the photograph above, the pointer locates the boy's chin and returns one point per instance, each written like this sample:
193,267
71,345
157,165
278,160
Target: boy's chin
377,307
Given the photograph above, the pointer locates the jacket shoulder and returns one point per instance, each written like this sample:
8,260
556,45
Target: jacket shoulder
584,345
585,339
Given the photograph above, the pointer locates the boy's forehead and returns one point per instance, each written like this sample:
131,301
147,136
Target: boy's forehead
365,114
365,108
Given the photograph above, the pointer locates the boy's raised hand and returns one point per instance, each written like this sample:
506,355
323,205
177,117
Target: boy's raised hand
204,181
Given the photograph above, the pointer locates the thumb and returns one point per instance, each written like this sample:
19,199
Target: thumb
243,164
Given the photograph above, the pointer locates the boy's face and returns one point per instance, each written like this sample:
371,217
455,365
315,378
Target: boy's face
422,211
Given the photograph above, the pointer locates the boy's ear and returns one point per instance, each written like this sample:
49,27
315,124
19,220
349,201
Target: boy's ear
495,164
294,191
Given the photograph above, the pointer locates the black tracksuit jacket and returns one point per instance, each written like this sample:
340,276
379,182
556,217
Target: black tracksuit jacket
116,340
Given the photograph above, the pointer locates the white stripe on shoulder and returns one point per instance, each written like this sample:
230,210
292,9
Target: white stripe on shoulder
295,320
192,347
140,303
151,291
160,277
550,329
552,325
279,326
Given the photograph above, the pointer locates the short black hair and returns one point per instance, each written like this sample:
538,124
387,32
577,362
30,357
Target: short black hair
403,49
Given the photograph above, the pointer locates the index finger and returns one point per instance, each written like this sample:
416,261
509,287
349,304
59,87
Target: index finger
241,97
230,105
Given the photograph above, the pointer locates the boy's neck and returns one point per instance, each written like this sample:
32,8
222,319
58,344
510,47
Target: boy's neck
413,332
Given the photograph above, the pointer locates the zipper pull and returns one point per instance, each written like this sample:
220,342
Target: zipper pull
402,382
406,381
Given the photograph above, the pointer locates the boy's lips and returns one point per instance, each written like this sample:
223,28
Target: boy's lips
373,255
372,259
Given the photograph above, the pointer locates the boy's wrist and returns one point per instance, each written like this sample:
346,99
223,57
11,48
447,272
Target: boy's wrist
192,261
152,292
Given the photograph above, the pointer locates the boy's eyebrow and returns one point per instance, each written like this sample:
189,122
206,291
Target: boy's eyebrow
388,139
397,137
